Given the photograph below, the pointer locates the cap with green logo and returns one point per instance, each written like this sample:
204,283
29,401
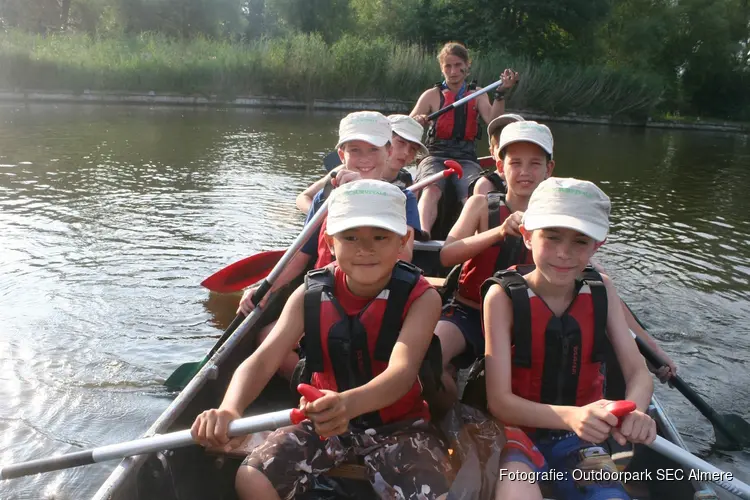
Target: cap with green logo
367,203
570,203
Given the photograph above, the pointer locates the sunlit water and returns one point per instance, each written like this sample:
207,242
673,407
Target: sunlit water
111,217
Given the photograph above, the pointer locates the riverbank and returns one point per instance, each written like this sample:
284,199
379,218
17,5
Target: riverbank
304,68
384,105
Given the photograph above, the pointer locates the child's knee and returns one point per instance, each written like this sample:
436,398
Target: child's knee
452,342
252,483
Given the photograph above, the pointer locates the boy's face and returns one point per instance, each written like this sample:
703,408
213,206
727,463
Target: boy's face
366,254
525,166
366,159
560,254
403,153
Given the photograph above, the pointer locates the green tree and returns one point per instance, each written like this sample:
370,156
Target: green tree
330,18
535,28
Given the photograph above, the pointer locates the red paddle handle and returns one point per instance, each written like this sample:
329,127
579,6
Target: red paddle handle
455,167
621,408
310,393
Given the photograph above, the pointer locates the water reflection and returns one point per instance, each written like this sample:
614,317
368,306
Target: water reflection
112,216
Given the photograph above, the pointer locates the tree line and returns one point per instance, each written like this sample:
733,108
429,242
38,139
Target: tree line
698,49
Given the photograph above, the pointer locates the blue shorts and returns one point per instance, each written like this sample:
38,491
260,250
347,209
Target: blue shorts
575,459
469,321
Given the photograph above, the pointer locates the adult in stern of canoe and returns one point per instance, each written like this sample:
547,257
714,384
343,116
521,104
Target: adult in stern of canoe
486,239
406,142
364,149
372,410
453,134
548,328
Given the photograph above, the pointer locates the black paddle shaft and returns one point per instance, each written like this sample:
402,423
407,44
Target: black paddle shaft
236,322
685,389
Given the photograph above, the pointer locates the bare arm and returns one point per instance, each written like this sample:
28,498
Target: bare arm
423,107
663,373
483,186
405,361
469,235
490,112
305,198
638,383
254,373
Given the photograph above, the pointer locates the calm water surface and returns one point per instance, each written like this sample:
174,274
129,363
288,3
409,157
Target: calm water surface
111,217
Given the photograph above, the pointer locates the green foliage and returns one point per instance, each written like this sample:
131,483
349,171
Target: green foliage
301,67
696,51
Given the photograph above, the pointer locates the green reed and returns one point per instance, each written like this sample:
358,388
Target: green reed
304,67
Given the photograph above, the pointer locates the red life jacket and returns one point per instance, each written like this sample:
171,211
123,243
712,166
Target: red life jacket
460,124
557,360
499,256
346,348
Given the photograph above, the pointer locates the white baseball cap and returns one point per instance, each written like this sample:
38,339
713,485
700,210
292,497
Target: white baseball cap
368,126
527,131
409,129
570,203
367,202
501,121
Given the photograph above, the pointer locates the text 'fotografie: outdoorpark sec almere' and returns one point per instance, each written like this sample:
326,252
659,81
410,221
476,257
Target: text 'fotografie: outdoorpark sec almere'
622,476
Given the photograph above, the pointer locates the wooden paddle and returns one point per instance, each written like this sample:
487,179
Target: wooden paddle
684,457
249,270
732,431
239,427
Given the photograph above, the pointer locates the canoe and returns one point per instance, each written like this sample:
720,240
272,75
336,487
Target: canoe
194,473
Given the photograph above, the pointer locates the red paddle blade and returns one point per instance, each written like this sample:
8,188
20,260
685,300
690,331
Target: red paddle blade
243,273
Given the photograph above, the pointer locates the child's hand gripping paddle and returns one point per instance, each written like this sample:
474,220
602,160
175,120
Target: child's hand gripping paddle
310,393
684,457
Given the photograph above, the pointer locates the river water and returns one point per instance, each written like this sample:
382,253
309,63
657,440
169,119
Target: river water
111,216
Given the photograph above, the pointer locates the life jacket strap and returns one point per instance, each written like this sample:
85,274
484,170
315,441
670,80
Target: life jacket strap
517,289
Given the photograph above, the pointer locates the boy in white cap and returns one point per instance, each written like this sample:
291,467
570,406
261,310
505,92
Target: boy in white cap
492,180
485,239
372,405
547,332
406,142
364,149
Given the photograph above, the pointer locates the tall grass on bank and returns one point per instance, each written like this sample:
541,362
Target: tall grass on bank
303,67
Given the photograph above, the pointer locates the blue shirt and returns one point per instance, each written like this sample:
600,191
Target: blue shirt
412,219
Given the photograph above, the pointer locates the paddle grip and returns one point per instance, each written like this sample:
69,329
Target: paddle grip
310,393
621,408
261,292
455,166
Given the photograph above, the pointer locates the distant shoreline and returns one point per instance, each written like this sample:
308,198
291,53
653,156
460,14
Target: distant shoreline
171,99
